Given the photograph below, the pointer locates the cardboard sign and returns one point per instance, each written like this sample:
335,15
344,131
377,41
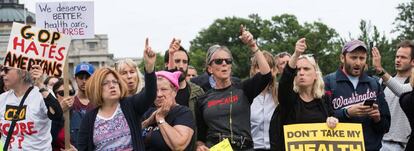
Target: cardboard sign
222,146
316,137
70,18
30,45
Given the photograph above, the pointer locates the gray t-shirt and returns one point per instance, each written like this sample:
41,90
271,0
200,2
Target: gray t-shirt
400,127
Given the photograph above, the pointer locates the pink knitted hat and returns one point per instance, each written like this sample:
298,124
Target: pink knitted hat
170,76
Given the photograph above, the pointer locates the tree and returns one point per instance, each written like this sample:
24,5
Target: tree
278,34
371,35
159,64
223,32
404,22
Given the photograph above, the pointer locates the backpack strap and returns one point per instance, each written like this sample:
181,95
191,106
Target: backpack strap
407,80
331,79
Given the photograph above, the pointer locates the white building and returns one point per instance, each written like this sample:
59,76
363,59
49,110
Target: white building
94,51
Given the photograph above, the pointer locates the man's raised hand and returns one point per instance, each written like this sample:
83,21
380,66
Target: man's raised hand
174,46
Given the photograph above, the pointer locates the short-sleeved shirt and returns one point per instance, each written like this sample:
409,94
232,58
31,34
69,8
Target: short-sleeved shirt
178,115
33,125
112,133
183,96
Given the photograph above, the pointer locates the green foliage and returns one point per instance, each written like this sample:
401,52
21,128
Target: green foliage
404,22
278,34
159,64
370,33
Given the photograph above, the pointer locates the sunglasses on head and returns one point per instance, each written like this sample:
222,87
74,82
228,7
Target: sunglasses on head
220,61
62,93
282,54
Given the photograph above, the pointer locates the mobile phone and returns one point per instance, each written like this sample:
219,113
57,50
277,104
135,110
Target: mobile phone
369,102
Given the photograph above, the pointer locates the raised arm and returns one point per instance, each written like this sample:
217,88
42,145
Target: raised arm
143,100
396,87
248,39
286,93
299,49
54,111
174,46
253,86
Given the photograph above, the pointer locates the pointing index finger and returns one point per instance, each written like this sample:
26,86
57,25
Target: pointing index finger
146,42
242,29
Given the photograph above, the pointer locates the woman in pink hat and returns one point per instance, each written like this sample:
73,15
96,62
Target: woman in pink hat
168,125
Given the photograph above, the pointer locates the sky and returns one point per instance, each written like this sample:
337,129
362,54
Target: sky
128,22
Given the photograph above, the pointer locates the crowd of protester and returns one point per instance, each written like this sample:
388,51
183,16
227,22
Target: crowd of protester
124,107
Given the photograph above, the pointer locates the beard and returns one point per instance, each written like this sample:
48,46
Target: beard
183,73
349,70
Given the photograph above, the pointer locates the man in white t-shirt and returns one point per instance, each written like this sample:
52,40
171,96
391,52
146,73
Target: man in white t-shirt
32,129
397,138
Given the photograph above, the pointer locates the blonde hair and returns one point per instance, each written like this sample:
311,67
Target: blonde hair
94,85
318,88
273,67
132,64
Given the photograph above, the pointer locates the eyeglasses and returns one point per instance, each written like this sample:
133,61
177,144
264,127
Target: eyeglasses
220,61
181,60
113,82
5,70
62,93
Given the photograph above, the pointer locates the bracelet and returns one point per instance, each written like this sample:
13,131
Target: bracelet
161,122
254,51
381,73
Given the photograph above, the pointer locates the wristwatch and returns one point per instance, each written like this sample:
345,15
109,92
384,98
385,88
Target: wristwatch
160,122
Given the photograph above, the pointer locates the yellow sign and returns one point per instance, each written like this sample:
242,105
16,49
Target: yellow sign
1,146
222,146
319,137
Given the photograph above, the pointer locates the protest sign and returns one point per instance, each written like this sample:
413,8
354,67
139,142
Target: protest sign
318,137
30,45
222,146
75,19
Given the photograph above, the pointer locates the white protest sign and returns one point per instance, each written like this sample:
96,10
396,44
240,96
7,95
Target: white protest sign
30,45
75,19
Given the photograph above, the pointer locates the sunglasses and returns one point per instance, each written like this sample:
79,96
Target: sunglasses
5,70
62,93
220,61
